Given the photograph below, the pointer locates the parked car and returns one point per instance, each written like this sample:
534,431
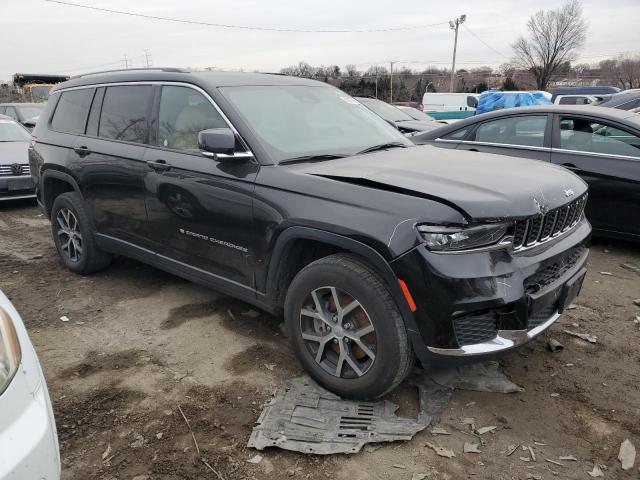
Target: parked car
402,121
450,106
15,180
582,92
576,99
28,438
25,113
602,145
627,100
416,105
292,196
417,114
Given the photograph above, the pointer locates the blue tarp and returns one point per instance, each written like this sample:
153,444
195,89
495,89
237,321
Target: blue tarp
494,100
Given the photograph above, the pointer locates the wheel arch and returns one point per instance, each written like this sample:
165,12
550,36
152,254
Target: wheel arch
53,184
279,275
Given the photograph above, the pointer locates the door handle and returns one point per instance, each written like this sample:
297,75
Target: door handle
159,165
82,151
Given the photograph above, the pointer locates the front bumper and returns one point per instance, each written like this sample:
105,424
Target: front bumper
28,440
480,304
16,187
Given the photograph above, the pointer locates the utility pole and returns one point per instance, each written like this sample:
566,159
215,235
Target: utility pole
391,81
148,59
454,25
126,61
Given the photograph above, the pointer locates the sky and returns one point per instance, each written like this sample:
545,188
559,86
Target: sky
41,37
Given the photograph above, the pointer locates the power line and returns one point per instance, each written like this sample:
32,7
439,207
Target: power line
484,43
241,27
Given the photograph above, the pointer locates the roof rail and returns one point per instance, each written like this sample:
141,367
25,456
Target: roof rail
143,69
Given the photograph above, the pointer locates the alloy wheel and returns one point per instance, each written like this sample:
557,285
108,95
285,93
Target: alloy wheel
338,332
69,234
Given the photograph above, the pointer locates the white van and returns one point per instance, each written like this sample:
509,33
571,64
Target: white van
447,102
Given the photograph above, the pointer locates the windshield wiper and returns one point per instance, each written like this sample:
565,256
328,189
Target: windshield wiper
383,146
310,158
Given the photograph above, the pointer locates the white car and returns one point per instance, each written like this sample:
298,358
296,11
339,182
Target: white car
28,439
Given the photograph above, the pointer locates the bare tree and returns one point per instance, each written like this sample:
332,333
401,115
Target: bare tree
554,38
623,71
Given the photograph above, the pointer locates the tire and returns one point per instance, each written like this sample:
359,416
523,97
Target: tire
73,236
346,339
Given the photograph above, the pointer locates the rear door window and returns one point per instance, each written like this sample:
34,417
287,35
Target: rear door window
584,135
524,130
11,112
125,113
184,112
71,112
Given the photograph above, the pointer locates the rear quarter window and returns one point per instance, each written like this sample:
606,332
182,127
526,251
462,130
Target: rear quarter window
71,112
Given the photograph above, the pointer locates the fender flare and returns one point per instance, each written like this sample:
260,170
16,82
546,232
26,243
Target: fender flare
354,246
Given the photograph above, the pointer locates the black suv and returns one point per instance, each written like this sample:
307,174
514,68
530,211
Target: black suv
292,196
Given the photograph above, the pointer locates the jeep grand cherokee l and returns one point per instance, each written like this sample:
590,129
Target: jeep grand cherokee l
292,196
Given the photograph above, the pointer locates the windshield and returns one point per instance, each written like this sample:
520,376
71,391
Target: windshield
417,114
30,112
386,111
298,121
10,131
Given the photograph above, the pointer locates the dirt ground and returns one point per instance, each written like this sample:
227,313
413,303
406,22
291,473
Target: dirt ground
142,348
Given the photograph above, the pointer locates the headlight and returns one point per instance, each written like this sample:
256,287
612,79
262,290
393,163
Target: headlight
10,353
444,239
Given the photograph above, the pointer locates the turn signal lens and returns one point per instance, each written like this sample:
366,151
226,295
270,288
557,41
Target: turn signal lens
10,353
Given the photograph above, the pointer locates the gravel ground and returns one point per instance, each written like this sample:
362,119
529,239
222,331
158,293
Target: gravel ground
142,348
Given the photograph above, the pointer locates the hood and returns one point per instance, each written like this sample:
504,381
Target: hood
417,125
14,152
482,186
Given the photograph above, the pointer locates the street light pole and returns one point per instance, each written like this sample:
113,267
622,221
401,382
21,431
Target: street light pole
454,25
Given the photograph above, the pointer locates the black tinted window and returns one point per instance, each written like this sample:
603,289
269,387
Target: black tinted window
71,112
183,113
458,134
125,111
527,131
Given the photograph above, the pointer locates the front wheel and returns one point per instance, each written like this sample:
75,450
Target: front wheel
346,328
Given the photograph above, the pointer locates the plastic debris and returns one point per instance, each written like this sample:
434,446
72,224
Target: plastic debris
439,431
606,273
596,472
511,449
401,467
443,452
255,459
554,462
532,454
270,366
554,345
483,430
572,306
479,377
627,455
471,448
584,336
64,318
555,395
568,458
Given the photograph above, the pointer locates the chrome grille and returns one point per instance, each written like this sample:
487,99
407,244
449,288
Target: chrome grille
540,228
15,169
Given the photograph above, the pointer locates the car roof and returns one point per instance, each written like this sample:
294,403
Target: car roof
605,113
203,79
620,98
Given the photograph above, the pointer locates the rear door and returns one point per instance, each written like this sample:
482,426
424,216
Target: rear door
110,162
199,207
607,157
527,136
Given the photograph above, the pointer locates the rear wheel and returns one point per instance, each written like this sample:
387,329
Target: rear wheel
346,328
73,237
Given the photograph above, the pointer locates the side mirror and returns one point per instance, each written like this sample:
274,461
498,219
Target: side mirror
217,141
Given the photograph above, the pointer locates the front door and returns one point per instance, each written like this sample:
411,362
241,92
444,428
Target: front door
199,208
607,157
525,136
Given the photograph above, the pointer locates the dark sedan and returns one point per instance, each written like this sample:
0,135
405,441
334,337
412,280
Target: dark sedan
15,180
602,145
401,120
627,100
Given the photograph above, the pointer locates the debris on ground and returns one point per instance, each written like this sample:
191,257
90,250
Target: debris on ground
568,458
573,306
631,267
270,366
511,449
554,345
442,451
627,455
471,448
64,318
419,476
532,454
606,273
637,302
554,462
596,472
483,430
479,377
255,459
304,417
439,431
584,336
